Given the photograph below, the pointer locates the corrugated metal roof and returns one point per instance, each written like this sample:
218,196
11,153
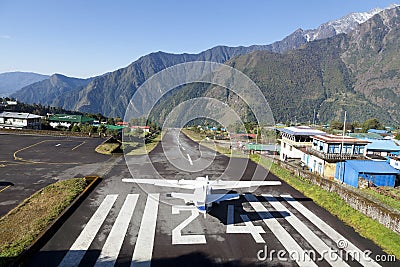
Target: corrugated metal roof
382,145
70,118
261,147
114,127
377,131
301,130
330,138
370,166
366,135
19,115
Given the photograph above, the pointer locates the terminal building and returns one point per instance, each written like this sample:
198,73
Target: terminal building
327,150
294,139
18,120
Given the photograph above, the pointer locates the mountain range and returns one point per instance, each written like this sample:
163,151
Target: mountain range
11,82
348,64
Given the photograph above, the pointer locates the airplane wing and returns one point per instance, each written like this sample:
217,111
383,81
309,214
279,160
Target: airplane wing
187,184
188,198
220,197
220,184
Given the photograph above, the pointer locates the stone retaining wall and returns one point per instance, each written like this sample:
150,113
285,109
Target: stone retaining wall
384,215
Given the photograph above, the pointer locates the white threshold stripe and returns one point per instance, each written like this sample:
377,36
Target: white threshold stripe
190,159
330,232
82,243
145,241
281,234
109,252
308,235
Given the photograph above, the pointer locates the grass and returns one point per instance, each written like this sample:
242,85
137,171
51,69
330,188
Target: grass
140,149
387,200
107,148
197,137
22,225
387,239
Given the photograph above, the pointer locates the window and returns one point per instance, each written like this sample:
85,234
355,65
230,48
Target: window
358,150
347,149
334,149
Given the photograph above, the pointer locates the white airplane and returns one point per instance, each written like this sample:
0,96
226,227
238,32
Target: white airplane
202,197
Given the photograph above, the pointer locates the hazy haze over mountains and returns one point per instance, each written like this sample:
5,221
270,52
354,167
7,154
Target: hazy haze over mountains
342,72
53,88
11,82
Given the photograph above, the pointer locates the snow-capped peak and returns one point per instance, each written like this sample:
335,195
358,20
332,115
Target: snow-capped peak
342,25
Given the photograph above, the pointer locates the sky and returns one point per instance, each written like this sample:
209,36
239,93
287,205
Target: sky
86,38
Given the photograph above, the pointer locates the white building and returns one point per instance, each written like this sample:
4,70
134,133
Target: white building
294,138
16,120
145,129
395,162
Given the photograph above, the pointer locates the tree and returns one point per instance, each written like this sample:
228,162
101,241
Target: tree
110,121
139,131
117,119
336,125
397,137
372,123
75,128
101,128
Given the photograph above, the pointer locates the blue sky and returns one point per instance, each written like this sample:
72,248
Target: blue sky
90,37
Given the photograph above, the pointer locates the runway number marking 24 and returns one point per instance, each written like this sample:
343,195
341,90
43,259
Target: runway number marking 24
178,238
249,227
231,228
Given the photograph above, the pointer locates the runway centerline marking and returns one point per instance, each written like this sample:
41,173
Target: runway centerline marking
190,159
143,251
306,232
82,243
78,145
5,188
109,252
329,231
281,234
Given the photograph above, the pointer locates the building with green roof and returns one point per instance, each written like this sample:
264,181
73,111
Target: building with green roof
66,120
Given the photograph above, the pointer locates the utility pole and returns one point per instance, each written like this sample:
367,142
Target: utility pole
257,135
313,119
341,149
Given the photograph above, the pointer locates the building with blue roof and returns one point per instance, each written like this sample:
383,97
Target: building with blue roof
380,132
359,173
382,147
366,135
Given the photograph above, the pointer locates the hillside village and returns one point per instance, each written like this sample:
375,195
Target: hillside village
359,159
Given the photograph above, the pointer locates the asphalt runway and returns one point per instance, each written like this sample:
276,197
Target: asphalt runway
124,224
29,163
